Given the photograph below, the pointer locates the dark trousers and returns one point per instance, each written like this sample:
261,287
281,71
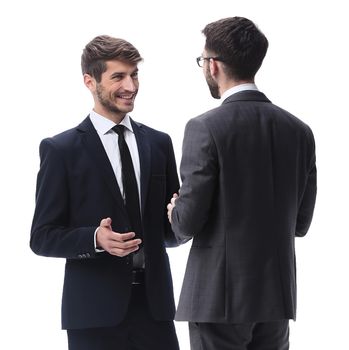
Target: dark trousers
249,336
139,331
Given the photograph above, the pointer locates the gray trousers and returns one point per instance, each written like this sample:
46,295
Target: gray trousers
247,336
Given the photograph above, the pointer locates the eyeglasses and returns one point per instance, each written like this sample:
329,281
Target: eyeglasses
200,60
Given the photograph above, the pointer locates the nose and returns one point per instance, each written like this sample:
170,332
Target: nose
129,84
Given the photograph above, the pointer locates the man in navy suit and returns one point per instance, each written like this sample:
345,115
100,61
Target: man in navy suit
249,188
118,287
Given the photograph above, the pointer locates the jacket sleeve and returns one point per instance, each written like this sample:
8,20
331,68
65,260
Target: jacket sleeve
307,203
172,186
199,171
51,234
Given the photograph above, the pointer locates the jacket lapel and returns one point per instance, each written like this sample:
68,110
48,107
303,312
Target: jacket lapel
94,146
144,151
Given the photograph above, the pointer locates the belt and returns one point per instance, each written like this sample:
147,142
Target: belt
137,276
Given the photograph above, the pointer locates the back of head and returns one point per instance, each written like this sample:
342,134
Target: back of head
239,44
105,48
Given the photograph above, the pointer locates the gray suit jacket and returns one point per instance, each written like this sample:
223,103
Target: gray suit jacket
248,189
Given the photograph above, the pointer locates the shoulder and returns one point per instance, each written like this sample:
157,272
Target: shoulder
205,120
151,133
63,141
291,120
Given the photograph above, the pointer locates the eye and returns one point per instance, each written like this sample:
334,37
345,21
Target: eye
117,77
134,75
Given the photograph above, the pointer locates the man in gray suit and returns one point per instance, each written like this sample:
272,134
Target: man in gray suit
248,189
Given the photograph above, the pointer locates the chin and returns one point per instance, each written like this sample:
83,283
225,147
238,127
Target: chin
214,92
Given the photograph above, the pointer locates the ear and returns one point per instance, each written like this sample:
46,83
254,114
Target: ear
90,82
213,68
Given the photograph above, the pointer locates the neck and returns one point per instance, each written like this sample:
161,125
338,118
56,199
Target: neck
115,117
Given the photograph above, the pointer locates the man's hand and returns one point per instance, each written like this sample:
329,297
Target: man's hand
119,244
170,206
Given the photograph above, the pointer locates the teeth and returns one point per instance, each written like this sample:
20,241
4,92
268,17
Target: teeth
126,96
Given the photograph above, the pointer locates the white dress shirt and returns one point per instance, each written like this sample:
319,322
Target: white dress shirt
109,140
238,88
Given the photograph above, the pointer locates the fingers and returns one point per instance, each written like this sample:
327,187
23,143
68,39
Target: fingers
173,199
119,244
170,207
169,213
123,244
122,237
124,248
106,222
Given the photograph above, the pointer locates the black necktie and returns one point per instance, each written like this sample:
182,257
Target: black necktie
130,183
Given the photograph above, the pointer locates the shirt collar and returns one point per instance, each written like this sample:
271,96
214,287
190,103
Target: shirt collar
103,124
238,88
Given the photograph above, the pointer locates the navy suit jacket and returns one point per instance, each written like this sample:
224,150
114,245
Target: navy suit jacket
76,188
249,188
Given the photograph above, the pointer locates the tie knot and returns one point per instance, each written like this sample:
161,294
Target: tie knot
119,129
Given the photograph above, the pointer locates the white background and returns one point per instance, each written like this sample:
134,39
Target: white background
42,93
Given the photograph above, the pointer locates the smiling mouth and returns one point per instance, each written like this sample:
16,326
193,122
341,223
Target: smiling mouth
126,96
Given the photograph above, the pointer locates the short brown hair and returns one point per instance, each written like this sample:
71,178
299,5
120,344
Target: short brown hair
239,44
106,48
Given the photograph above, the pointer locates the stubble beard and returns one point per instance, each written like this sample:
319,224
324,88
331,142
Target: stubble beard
212,85
107,102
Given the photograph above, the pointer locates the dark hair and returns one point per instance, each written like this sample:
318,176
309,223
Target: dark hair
240,45
106,48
